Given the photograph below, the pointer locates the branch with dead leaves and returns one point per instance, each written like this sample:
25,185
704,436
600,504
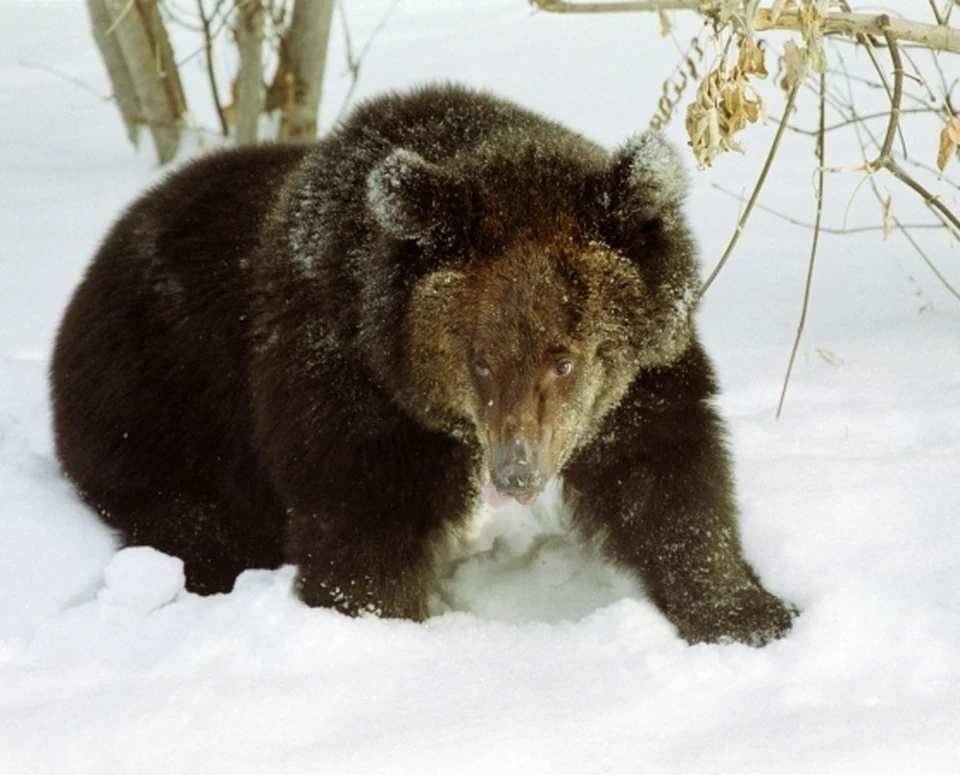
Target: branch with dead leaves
885,160
939,36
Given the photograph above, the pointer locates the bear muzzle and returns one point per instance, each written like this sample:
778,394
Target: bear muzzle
518,470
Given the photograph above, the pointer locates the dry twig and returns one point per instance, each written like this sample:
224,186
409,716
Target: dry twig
741,223
934,36
354,61
905,229
205,26
885,159
821,144
843,230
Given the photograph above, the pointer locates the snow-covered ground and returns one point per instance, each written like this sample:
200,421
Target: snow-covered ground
541,659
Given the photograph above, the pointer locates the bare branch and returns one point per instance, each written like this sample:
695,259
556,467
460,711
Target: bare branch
617,6
905,229
821,144
936,13
208,56
931,199
354,61
845,123
897,96
935,36
886,161
774,146
823,229
119,18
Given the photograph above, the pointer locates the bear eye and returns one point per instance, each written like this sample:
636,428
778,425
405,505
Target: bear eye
481,368
563,368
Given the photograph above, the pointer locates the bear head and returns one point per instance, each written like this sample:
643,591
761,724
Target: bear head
544,277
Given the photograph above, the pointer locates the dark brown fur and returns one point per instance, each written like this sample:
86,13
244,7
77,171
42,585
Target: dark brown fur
318,355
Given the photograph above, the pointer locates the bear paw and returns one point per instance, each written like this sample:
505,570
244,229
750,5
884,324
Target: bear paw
355,598
752,616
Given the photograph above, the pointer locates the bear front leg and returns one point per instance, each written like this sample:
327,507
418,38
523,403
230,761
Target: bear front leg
369,574
369,506
658,492
359,561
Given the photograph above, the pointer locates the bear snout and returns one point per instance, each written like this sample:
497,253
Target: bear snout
516,469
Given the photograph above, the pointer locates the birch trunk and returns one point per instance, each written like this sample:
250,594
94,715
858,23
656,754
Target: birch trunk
249,101
308,38
139,60
124,92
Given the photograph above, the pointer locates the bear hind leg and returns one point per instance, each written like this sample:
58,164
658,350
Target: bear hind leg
207,534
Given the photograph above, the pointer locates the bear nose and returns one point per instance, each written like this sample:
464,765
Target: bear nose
515,472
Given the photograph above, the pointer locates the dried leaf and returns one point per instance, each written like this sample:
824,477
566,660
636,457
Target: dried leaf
751,59
811,27
698,48
665,27
776,9
703,121
949,141
829,357
726,10
817,55
725,103
796,62
887,214
734,104
811,12
752,110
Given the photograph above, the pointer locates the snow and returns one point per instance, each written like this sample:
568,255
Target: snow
540,658
142,579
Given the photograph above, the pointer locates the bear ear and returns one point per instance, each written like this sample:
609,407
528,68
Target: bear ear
413,199
649,176
641,197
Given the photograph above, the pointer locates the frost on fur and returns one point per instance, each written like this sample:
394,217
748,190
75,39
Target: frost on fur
414,199
386,193
655,174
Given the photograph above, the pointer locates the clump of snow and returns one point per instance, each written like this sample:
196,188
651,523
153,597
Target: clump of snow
517,563
142,578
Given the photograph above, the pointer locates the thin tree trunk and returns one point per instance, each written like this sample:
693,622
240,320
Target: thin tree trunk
164,60
308,38
141,38
124,92
249,100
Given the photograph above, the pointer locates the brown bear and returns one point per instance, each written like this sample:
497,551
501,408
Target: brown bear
325,354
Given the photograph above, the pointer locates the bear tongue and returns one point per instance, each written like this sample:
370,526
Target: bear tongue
496,499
